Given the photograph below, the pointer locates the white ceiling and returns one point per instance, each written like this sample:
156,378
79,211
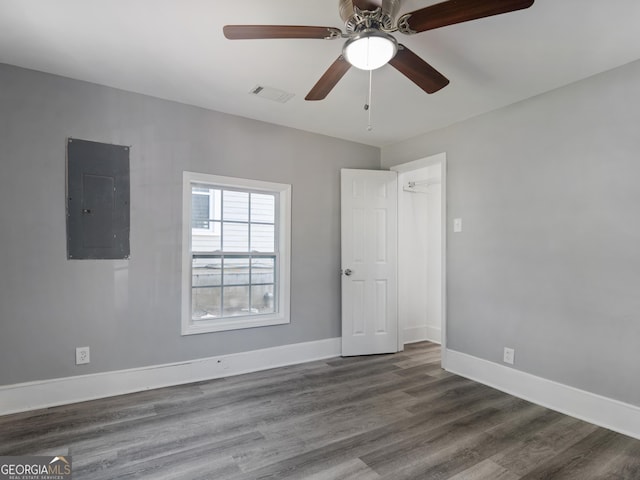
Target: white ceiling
174,49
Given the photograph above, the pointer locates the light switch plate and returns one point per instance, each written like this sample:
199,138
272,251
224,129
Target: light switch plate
457,225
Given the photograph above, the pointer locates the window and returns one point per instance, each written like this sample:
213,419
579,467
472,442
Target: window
236,242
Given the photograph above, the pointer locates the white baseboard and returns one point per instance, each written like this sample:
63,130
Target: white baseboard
61,391
605,412
414,334
422,333
434,334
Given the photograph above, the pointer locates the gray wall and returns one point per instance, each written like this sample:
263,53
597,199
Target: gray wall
128,312
549,260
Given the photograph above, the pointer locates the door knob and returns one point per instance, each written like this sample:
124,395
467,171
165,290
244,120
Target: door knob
348,272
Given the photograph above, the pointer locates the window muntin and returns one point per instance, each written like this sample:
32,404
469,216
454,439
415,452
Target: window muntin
238,261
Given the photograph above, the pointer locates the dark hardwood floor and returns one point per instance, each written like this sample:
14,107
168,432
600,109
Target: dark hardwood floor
380,417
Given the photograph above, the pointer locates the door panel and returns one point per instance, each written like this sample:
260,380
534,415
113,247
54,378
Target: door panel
369,262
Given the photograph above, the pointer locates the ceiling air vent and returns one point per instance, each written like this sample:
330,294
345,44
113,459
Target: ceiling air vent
271,94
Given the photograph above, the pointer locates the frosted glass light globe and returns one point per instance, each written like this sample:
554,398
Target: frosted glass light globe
370,49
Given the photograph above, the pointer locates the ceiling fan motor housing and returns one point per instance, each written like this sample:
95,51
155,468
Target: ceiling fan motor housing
359,15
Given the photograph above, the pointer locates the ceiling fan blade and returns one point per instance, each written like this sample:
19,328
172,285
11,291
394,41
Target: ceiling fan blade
418,71
456,11
247,32
329,80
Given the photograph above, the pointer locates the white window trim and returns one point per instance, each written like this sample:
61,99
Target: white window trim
283,270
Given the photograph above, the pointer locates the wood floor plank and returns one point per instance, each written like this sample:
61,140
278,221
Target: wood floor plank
390,417
445,450
150,462
467,452
350,470
533,451
485,470
360,445
296,436
593,457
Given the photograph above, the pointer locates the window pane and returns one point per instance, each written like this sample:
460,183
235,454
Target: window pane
263,208
199,210
206,272
205,303
262,238
236,301
235,237
213,198
236,271
235,206
262,270
262,299
208,241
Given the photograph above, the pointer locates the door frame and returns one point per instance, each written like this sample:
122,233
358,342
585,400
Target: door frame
440,158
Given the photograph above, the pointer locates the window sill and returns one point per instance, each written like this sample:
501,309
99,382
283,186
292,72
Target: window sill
238,323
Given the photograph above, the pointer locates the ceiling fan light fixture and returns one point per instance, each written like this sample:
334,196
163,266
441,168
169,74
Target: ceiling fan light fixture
370,49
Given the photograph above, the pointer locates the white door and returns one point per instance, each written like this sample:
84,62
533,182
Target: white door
369,262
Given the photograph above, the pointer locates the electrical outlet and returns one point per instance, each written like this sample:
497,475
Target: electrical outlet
83,355
509,355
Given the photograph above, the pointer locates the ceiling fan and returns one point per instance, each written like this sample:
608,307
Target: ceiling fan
370,45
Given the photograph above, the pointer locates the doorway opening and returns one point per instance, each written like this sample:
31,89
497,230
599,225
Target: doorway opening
421,251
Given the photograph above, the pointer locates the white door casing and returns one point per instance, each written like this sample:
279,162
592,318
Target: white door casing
369,261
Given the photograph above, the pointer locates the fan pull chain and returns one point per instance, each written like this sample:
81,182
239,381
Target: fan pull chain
367,106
